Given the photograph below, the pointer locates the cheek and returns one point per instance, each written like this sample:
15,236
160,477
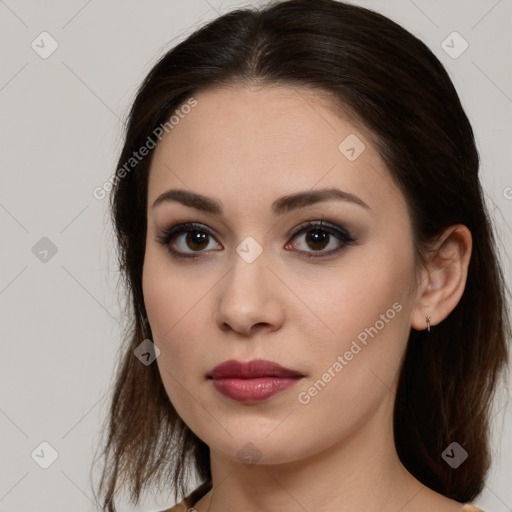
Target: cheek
355,371
365,316
355,294
169,296
173,307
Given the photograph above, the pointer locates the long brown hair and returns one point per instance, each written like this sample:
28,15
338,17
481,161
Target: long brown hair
391,82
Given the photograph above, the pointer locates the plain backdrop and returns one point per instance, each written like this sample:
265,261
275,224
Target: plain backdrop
61,129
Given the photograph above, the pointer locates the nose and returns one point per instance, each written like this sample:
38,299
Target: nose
249,299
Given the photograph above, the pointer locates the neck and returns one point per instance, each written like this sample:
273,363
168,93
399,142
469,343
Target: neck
361,472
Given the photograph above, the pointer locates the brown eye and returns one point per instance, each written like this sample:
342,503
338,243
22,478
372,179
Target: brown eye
318,237
186,239
196,240
191,240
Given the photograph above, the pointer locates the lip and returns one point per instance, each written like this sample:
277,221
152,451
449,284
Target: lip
252,381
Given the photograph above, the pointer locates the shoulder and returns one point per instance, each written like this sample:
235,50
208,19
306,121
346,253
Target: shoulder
182,506
189,501
471,508
187,504
179,507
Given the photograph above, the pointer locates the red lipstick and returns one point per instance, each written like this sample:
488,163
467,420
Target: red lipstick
253,381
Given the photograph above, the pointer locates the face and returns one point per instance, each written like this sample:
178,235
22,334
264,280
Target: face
279,270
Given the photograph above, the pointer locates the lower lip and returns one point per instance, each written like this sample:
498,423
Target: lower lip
253,390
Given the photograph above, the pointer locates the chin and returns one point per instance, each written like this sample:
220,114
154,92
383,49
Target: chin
260,449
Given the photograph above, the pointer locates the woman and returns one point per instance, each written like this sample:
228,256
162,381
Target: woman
318,306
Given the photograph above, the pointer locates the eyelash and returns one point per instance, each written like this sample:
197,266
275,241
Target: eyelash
167,235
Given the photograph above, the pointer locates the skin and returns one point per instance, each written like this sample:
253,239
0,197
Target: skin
245,146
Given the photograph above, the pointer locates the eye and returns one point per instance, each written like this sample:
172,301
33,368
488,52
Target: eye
319,236
184,240
186,236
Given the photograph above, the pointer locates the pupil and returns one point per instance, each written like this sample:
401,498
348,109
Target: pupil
197,238
316,238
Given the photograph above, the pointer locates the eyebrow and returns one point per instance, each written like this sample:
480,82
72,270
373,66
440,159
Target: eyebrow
280,206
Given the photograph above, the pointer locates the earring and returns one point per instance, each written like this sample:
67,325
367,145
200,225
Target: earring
429,317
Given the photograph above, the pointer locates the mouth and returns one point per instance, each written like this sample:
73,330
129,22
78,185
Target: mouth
253,381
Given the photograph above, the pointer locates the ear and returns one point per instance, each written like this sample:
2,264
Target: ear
444,278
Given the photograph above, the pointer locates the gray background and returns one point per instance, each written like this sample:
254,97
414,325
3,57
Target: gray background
61,131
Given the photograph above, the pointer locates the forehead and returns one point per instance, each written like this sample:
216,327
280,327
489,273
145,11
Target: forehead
264,142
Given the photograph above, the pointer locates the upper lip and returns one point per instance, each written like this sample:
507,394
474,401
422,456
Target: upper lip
251,370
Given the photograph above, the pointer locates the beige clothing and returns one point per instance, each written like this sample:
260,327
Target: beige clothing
187,504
